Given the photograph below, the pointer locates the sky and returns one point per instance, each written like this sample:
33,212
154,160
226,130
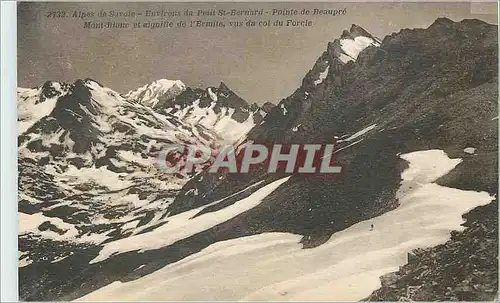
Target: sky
259,63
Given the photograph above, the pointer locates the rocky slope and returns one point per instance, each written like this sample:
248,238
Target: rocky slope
463,269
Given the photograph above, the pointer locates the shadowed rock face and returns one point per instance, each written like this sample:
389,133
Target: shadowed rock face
420,95
433,88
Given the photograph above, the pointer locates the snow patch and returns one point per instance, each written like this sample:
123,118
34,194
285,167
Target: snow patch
322,76
183,225
29,111
358,134
296,128
274,267
221,123
470,150
427,166
212,95
24,259
352,47
283,108
59,259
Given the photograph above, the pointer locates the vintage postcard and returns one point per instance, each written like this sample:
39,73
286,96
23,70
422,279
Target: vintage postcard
257,151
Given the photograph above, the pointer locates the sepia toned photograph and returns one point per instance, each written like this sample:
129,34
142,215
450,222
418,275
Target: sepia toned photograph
257,151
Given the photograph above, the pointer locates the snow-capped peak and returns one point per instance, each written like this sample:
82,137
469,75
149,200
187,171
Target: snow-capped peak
150,94
341,51
352,42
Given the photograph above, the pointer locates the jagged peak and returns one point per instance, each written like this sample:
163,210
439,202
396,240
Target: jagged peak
475,21
442,21
223,86
224,96
355,31
51,89
224,91
359,31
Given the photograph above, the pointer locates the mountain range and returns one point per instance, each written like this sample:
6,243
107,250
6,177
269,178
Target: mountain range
412,216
